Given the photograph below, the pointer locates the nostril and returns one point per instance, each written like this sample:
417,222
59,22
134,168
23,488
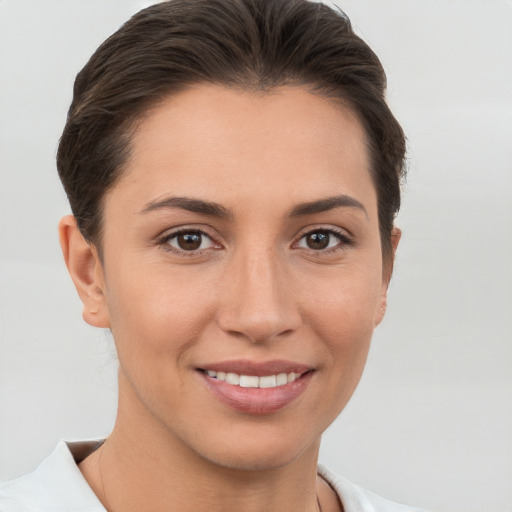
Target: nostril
260,331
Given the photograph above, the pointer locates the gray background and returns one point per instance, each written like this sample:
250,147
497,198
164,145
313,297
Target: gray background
431,421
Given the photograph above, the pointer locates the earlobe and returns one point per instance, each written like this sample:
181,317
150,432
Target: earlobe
382,309
396,234
86,271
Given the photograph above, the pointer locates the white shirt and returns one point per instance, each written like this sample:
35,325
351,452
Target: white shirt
57,485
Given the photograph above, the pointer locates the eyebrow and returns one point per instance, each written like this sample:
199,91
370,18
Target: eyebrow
192,205
324,205
213,209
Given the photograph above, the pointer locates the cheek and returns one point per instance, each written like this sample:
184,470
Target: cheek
155,320
345,298
155,314
345,330
345,327
343,317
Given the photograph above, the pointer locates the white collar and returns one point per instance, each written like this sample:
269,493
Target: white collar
57,485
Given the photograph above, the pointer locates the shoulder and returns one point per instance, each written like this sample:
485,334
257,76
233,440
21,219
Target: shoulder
55,486
357,499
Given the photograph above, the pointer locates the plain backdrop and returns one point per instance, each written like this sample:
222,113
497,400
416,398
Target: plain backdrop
431,423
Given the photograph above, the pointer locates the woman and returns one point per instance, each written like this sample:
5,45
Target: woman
233,172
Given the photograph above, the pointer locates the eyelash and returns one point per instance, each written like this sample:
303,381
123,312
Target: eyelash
343,241
165,240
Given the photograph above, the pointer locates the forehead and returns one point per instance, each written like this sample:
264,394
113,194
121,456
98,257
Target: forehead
211,140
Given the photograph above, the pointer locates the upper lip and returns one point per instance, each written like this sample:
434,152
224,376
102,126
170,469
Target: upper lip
258,369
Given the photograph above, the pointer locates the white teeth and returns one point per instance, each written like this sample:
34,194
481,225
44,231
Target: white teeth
252,381
249,381
281,379
269,381
233,378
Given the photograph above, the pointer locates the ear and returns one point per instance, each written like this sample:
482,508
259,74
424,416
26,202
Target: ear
85,268
396,234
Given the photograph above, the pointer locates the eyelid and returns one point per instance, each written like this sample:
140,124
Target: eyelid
344,237
163,239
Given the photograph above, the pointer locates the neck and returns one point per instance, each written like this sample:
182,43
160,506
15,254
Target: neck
143,466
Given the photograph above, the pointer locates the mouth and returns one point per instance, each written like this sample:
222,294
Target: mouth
254,381
256,388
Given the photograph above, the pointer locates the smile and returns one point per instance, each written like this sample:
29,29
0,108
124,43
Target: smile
253,381
256,388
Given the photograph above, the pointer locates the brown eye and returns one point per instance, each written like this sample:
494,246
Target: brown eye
188,241
318,240
323,239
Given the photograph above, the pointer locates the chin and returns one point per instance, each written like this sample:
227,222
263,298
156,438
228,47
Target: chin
258,449
261,459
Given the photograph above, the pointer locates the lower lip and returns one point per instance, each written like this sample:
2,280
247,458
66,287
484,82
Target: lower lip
257,400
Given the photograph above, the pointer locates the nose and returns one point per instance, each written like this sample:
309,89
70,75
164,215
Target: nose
259,303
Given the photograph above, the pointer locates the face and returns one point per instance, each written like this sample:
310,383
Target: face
241,248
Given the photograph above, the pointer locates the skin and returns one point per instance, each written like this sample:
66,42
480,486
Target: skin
254,290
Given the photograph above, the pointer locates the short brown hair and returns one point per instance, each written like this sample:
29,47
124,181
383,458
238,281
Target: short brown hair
249,44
